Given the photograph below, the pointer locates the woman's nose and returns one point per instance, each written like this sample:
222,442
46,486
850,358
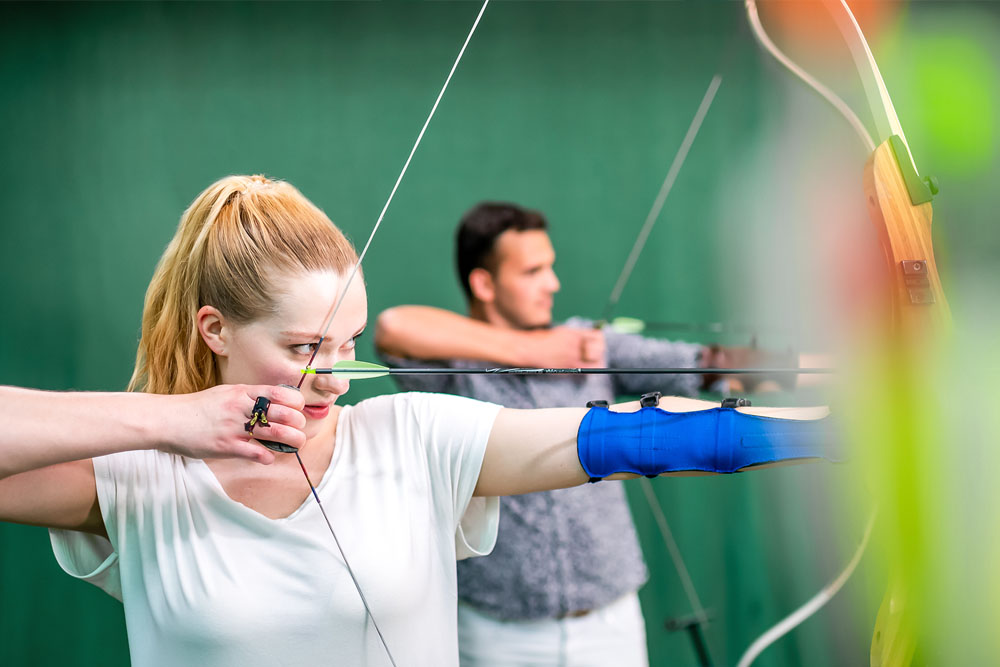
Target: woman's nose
331,384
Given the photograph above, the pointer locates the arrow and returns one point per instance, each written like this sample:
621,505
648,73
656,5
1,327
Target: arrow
634,325
364,370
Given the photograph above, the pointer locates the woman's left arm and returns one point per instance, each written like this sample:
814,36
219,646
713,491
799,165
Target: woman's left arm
536,450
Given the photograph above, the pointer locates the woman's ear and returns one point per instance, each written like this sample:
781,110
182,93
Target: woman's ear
212,327
481,285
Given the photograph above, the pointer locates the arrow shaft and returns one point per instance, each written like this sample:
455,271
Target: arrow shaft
571,371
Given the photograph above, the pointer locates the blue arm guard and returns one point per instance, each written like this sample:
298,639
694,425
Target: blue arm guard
651,441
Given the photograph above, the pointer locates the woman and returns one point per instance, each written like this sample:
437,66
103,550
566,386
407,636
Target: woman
159,496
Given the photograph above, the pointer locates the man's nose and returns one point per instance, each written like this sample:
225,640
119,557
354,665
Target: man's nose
554,282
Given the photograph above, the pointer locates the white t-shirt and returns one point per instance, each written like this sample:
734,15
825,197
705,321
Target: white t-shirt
207,581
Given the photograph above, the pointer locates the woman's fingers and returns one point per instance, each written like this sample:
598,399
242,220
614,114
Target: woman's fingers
282,414
282,420
276,432
277,394
254,451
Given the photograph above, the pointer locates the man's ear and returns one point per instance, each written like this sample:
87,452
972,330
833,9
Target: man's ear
212,327
481,285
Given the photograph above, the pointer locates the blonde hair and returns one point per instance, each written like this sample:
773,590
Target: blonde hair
235,234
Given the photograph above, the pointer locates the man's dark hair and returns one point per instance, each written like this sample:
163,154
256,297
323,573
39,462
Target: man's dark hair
478,231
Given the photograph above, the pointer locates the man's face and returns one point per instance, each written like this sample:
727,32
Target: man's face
524,280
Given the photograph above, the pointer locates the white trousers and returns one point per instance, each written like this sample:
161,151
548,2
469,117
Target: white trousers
611,635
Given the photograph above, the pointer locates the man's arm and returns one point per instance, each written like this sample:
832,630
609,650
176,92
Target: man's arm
424,332
634,350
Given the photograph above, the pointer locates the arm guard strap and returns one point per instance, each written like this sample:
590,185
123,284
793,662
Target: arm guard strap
651,441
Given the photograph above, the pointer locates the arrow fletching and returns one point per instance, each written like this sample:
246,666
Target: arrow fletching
353,370
628,325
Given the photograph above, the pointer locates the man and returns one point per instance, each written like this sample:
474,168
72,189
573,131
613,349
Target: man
560,586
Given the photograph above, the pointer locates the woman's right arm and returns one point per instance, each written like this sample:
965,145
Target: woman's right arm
48,439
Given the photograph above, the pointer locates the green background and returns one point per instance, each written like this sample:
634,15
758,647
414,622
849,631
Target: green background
114,116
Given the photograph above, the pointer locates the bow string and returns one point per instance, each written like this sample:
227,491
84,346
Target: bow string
340,300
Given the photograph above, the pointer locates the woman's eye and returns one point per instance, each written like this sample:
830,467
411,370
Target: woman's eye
304,348
352,343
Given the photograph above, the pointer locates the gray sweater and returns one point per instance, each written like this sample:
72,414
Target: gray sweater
571,549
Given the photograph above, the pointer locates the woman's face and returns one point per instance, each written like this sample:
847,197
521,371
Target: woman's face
276,347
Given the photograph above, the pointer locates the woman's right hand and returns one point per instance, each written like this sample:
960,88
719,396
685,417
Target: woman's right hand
211,423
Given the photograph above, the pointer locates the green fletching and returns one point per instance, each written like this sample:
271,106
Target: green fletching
358,370
628,325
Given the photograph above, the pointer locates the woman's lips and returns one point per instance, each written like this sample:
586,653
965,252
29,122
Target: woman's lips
316,411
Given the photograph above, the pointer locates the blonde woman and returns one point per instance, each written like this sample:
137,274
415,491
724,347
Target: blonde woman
164,498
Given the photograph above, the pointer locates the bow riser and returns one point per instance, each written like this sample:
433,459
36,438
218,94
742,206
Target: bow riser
914,318
918,306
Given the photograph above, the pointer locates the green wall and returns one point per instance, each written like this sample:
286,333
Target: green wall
114,116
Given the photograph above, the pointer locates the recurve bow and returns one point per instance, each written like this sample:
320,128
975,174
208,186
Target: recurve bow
894,335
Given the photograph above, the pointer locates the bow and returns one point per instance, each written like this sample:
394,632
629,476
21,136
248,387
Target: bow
897,330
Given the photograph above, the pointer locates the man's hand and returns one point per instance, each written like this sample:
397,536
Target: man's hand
716,356
565,347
